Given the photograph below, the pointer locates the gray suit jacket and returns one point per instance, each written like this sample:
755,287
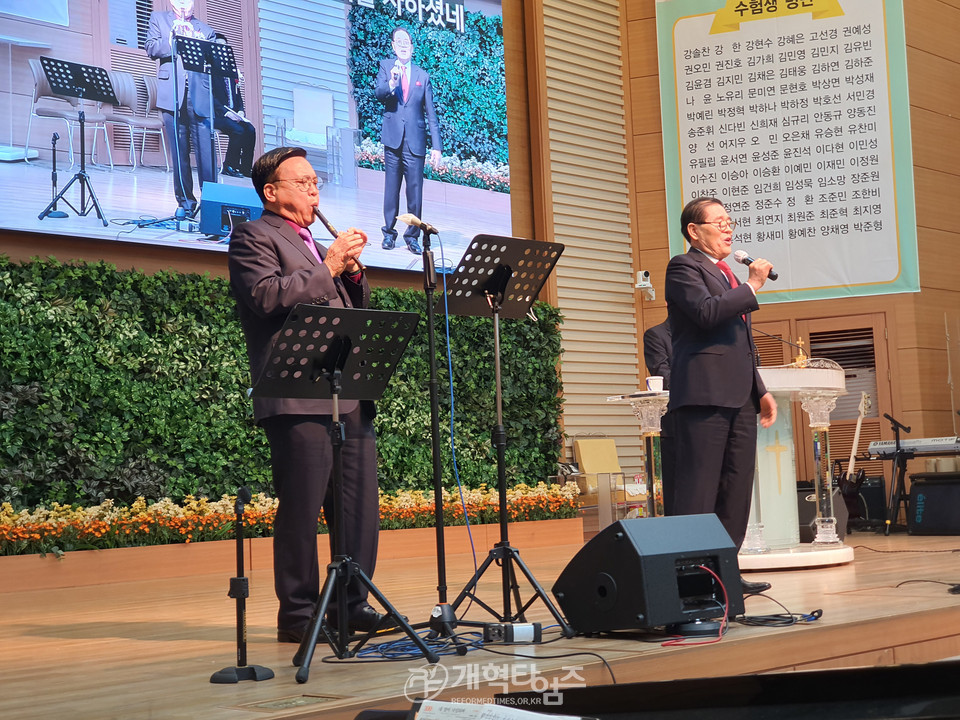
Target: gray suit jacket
158,46
407,118
271,272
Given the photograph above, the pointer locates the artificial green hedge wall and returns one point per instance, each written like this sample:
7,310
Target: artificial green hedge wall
115,384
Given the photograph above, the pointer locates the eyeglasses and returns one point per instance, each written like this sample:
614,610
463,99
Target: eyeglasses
721,225
304,184
403,43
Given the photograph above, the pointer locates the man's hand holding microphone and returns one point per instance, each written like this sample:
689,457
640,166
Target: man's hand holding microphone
395,74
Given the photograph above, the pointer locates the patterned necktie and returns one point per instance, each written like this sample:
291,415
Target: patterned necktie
311,245
404,82
228,83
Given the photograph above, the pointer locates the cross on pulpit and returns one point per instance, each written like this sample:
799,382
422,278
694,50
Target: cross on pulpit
779,449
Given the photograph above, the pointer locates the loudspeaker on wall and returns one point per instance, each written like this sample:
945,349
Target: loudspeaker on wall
648,572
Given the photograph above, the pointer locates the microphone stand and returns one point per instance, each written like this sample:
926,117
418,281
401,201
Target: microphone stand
801,359
240,591
443,619
898,491
54,213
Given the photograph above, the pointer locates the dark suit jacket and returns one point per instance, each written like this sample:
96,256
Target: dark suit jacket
159,48
657,349
221,99
271,271
407,118
714,357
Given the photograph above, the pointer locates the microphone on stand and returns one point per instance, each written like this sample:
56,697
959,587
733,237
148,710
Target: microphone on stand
777,337
54,213
741,257
411,219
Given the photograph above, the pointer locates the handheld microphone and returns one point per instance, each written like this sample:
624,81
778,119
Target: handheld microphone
410,219
741,257
326,223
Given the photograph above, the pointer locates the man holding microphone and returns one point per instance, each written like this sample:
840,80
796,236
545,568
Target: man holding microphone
715,389
408,110
183,98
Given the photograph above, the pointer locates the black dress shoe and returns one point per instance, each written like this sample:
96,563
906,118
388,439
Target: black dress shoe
232,172
413,246
388,244
367,619
754,588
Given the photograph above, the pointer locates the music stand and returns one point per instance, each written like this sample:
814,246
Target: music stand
361,350
86,82
223,61
503,276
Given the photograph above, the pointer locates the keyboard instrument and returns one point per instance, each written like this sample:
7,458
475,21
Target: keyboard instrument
938,446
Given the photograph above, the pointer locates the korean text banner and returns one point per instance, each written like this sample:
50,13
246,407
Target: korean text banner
795,114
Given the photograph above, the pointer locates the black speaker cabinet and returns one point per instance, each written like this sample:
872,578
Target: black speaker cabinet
807,514
934,505
648,572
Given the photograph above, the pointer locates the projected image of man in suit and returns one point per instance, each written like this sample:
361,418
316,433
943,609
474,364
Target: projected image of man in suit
231,120
408,111
183,98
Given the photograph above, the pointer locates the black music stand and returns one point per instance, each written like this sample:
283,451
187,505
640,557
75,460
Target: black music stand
361,349
898,490
86,82
223,61
503,276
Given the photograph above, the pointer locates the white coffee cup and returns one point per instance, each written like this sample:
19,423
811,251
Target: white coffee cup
655,383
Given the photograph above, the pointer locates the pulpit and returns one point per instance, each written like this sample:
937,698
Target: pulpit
773,537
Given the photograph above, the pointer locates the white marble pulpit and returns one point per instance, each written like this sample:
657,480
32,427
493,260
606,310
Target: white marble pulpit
773,538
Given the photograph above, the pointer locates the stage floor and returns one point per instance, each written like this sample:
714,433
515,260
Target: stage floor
132,198
147,649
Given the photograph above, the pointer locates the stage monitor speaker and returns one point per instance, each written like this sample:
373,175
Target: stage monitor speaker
223,207
807,514
934,505
648,572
